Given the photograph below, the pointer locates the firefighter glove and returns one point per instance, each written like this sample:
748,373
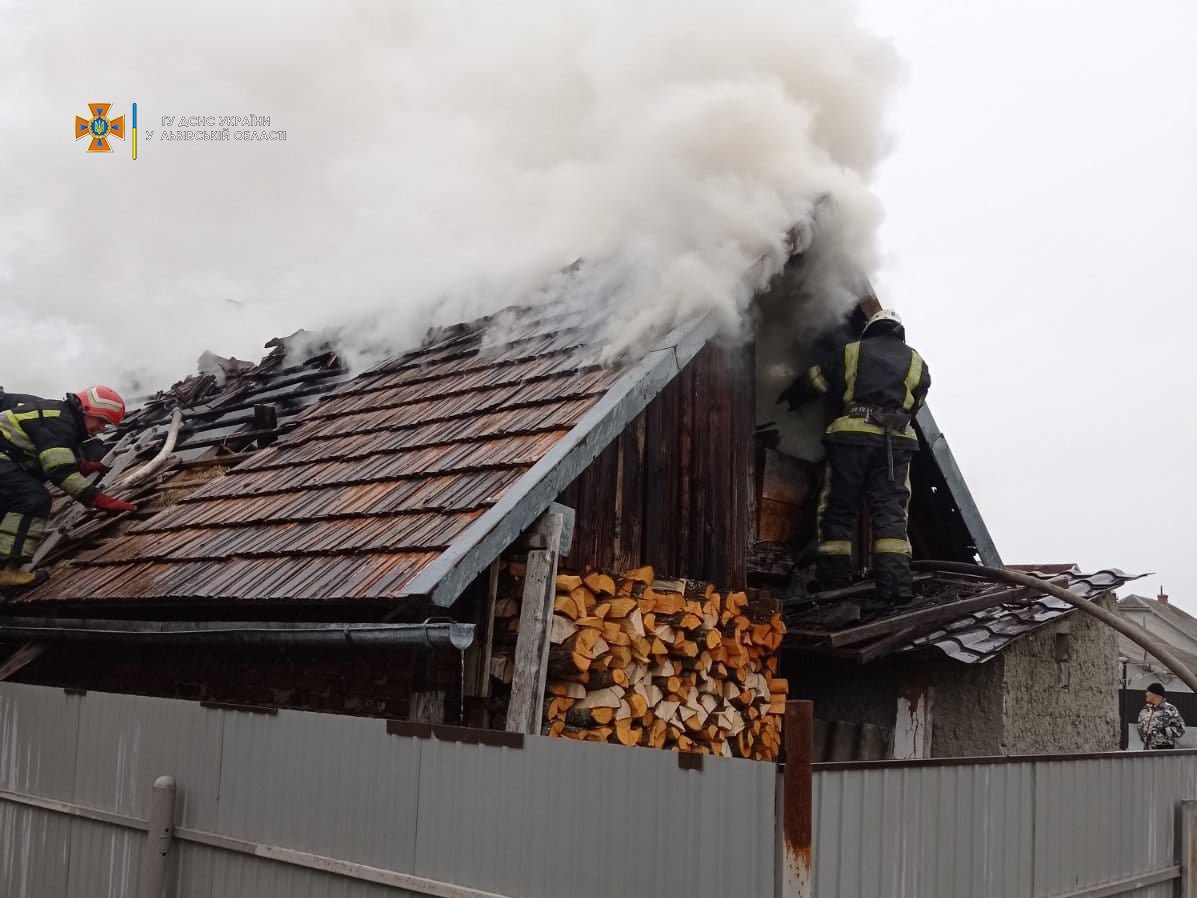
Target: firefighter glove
104,502
93,467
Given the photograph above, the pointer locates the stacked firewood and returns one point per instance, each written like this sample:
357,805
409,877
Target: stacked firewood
661,663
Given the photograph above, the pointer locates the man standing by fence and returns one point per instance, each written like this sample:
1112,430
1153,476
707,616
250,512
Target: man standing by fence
1160,724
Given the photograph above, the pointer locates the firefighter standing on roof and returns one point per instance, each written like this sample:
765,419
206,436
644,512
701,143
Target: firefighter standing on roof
878,383
39,441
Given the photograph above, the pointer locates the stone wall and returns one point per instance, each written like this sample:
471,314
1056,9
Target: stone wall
1061,688
1052,691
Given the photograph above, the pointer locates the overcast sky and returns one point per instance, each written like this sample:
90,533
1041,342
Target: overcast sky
1038,201
1039,244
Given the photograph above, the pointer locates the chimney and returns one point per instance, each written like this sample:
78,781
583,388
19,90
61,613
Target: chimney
1162,598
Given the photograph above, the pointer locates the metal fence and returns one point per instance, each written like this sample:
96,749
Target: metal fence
1082,827
292,803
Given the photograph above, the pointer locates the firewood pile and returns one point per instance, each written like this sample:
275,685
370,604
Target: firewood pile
669,664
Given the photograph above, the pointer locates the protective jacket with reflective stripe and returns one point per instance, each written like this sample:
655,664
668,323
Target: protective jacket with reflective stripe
878,370
43,437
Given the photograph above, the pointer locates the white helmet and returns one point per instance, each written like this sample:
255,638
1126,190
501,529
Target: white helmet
885,315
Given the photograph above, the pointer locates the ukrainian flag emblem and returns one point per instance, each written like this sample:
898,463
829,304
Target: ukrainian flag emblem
99,127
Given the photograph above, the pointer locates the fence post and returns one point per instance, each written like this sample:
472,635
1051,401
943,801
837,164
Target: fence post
157,847
798,879
1187,834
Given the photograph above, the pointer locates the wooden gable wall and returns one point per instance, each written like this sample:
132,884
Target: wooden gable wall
677,488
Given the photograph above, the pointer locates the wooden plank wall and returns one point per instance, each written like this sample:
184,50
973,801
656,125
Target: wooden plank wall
677,488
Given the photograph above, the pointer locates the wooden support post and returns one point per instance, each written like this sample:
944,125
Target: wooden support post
798,879
427,703
1187,854
532,642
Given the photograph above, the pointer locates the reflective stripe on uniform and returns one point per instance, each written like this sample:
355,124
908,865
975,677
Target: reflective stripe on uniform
20,535
8,532
817,380
851,365
836,547
75,485
891,547
56,457
860,425
824,498
12,431
913,376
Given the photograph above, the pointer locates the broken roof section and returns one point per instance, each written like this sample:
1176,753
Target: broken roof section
971,622
404,481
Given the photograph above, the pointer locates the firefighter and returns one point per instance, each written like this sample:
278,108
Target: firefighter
877,384
40,440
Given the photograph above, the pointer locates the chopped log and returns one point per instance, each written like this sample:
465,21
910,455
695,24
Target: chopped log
638,704
611,697
566,689
567,583
620,608
561,629
668,603
588,717
627,733
565,605
601,679
599,584
640,575
507,607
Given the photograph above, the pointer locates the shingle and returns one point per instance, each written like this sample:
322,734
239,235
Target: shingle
374,480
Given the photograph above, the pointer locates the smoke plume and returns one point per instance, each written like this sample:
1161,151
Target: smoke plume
442,160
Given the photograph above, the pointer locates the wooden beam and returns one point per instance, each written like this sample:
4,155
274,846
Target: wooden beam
477,675
30,651
532,642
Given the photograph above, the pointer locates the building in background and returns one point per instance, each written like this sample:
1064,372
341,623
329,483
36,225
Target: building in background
1178,631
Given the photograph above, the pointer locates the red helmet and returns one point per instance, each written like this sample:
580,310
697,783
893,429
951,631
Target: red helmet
102,402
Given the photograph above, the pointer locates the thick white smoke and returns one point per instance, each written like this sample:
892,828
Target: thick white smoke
441,160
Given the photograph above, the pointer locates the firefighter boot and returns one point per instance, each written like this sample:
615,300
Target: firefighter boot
12,578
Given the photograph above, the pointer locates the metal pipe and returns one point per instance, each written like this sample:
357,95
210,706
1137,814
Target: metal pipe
1136,634
155,854
151,466
429,633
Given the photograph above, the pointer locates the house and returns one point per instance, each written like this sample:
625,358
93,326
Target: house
332,540
1178,631
1025,675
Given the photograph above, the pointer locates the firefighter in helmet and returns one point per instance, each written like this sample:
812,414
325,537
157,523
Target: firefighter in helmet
40,440
877,384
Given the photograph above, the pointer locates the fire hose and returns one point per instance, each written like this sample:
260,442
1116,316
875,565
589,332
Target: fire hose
1135,634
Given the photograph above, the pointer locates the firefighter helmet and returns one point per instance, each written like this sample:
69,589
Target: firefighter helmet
102,402
889,318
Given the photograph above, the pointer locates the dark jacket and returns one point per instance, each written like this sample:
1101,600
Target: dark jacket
12,400
879,370
43,437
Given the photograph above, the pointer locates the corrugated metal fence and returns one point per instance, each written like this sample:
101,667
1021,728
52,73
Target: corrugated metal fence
550,818
291,803
1091,825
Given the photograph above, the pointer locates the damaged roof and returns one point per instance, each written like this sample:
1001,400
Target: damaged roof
406,480
969,622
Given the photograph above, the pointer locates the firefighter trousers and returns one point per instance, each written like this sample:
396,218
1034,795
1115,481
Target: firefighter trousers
856,474
24,509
